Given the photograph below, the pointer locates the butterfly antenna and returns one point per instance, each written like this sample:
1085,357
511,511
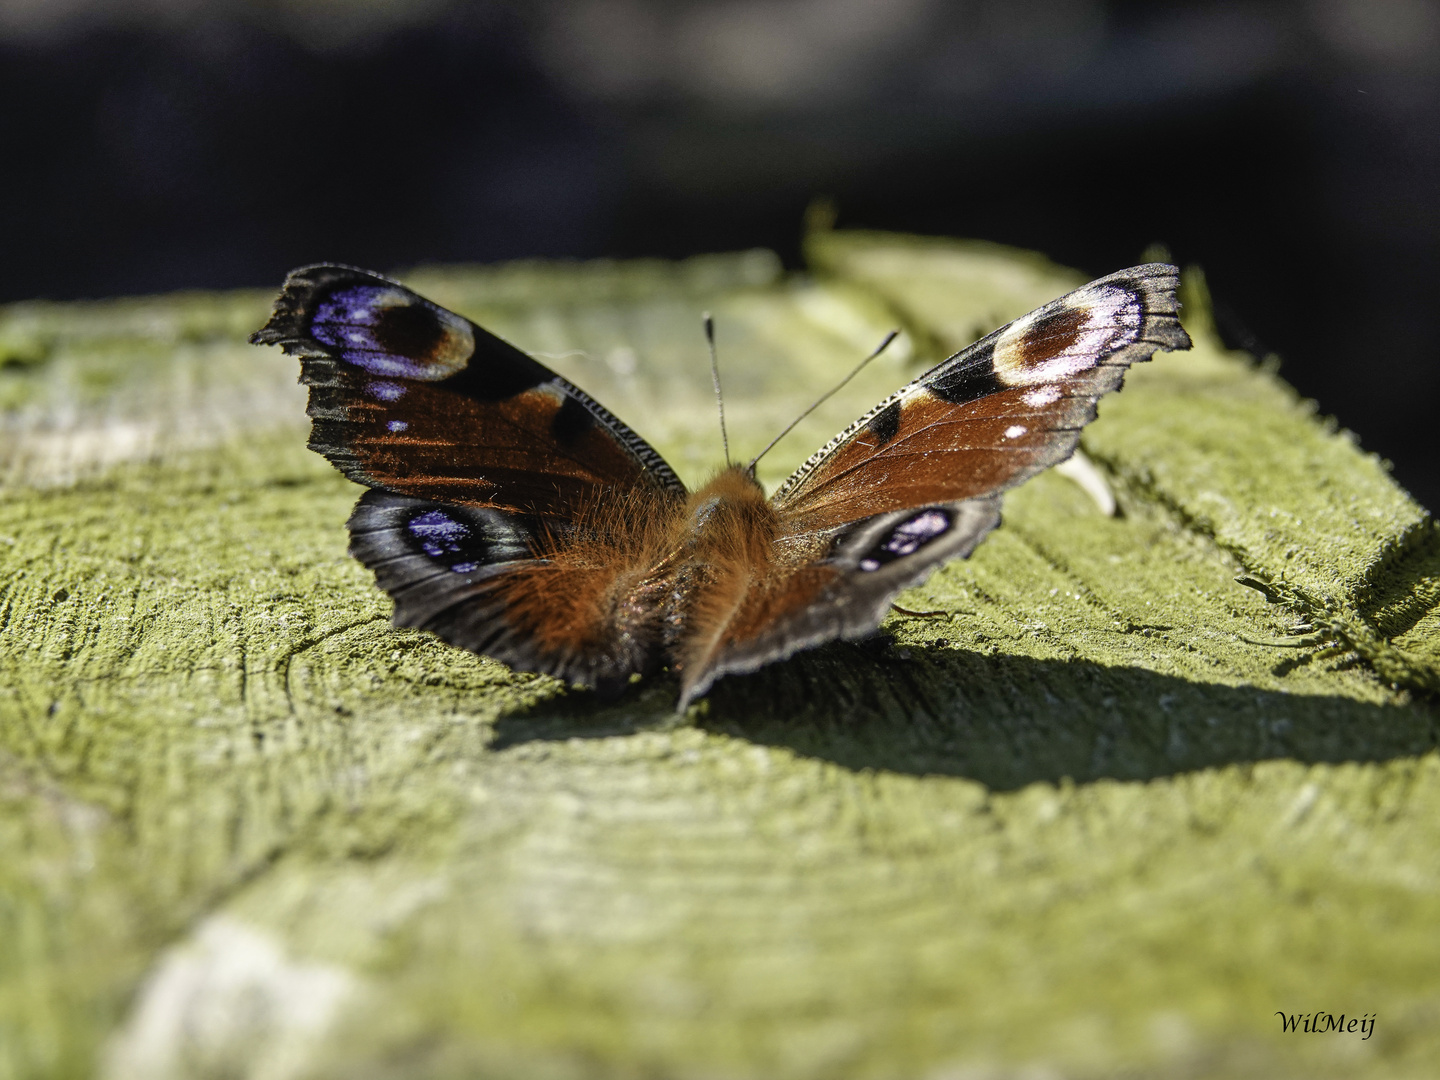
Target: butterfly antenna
715,377
825,397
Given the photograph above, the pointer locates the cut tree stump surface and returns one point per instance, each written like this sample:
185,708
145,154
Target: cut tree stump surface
1109,812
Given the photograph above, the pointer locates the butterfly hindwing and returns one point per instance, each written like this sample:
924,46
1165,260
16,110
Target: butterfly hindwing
509,586
412,398
994,414
842,594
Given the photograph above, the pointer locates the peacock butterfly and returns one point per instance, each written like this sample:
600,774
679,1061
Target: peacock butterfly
513,515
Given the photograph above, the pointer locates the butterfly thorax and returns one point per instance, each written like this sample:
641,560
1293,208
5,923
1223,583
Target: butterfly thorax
722,543
729,519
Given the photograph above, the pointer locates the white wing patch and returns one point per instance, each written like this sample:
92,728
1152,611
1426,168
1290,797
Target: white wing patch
1092,323
1041,396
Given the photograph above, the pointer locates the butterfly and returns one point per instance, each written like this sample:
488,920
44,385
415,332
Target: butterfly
512,515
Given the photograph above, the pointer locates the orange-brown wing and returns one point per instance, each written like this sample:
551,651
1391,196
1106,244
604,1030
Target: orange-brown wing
502,498
842,588
512,587
916,481
414,399
992,415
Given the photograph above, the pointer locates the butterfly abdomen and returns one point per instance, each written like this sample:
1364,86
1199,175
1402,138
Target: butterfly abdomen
728,543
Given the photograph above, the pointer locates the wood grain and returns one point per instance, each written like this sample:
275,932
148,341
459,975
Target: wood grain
1110,812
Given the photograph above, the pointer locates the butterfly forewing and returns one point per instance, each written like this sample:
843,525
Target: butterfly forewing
994,414
412,398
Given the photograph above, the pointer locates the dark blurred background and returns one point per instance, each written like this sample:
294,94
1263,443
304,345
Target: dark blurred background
1291,148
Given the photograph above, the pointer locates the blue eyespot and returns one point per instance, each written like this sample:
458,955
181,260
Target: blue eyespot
466,540
911,535
907,538
439,534
390,332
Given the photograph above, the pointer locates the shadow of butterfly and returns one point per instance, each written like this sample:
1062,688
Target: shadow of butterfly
512,515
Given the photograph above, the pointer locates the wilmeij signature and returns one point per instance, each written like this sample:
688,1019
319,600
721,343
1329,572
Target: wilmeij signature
1311,1023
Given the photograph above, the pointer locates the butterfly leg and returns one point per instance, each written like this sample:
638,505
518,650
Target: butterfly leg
919,614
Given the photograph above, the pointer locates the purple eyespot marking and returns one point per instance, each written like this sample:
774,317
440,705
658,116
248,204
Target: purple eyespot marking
389,331
396,426
346,318
907,538
465,541
385,391
438,533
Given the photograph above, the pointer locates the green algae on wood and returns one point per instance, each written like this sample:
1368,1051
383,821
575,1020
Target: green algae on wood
1091,819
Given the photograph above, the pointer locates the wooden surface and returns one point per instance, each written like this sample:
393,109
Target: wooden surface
1107,814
